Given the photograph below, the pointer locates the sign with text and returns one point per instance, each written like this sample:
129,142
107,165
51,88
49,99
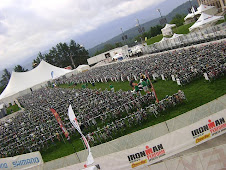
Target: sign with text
24,161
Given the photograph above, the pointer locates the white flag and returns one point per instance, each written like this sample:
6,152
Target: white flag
163,78
74,122
206,76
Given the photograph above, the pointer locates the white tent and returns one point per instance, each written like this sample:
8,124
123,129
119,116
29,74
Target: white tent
205,20
176,35
211,10
167,30
20,81
82,68
190,15
164,39
175,39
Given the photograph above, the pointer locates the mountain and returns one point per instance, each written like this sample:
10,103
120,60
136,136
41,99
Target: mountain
133,32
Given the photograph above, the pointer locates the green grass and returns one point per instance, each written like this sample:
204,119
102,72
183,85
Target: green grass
12,109
152,40
197,93
183,29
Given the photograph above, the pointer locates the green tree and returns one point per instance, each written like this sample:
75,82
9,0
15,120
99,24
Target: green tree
118,44
178,19
1,89
36,61
19,68
64,54
5,77
156,30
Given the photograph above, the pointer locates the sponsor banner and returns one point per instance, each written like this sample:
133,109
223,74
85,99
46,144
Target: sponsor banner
181,139
66,133
165,146
25,161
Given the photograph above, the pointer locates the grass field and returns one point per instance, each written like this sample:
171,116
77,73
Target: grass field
178,30
12,108
183,29
197,93
152,40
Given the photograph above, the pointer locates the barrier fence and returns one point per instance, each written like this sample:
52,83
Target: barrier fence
181,40
143,136
165,146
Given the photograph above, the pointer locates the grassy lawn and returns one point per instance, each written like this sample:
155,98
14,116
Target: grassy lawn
12,108
197,93
183,29
152,40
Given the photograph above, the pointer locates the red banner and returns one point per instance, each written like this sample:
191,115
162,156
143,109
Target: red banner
66,133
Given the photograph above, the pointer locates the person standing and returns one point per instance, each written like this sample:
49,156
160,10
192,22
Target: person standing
112,88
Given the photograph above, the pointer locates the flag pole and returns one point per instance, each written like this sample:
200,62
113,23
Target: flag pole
74,150
152,87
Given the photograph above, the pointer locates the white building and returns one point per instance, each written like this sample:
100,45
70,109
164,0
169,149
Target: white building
107,56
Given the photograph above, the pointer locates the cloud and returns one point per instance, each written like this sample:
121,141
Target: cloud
30,26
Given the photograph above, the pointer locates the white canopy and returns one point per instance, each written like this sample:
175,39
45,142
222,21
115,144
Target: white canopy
190,15
20,81
204,21
82,68
167,30
169,26
176,35
211,10
164,39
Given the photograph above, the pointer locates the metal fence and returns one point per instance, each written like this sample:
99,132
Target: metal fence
208,34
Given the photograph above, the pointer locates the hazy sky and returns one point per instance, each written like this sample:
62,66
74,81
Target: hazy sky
30,26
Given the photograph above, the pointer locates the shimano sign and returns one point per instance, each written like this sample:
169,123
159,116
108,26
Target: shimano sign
29,160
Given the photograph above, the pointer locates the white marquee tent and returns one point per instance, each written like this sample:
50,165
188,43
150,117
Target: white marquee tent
20,81
167,30
204,21
82,68
190,15
211,10
164,39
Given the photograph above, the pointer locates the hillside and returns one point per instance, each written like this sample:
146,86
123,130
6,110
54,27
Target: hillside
131,33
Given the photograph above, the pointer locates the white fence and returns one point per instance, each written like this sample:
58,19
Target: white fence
205,35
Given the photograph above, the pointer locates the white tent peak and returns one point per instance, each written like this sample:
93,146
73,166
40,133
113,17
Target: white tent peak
164,39
169,26
82,68
205,20
202,8
20,81
176,35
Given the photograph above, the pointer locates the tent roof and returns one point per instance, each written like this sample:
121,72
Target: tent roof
82,66
205,19
164,39
176,35
190,15
203,8
20,81
169,26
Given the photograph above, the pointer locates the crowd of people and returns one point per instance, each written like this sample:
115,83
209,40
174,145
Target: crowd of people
185,65
105,115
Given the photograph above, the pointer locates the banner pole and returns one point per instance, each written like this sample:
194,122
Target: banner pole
74,150
157,100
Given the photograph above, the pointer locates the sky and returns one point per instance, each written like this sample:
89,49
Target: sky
30,26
